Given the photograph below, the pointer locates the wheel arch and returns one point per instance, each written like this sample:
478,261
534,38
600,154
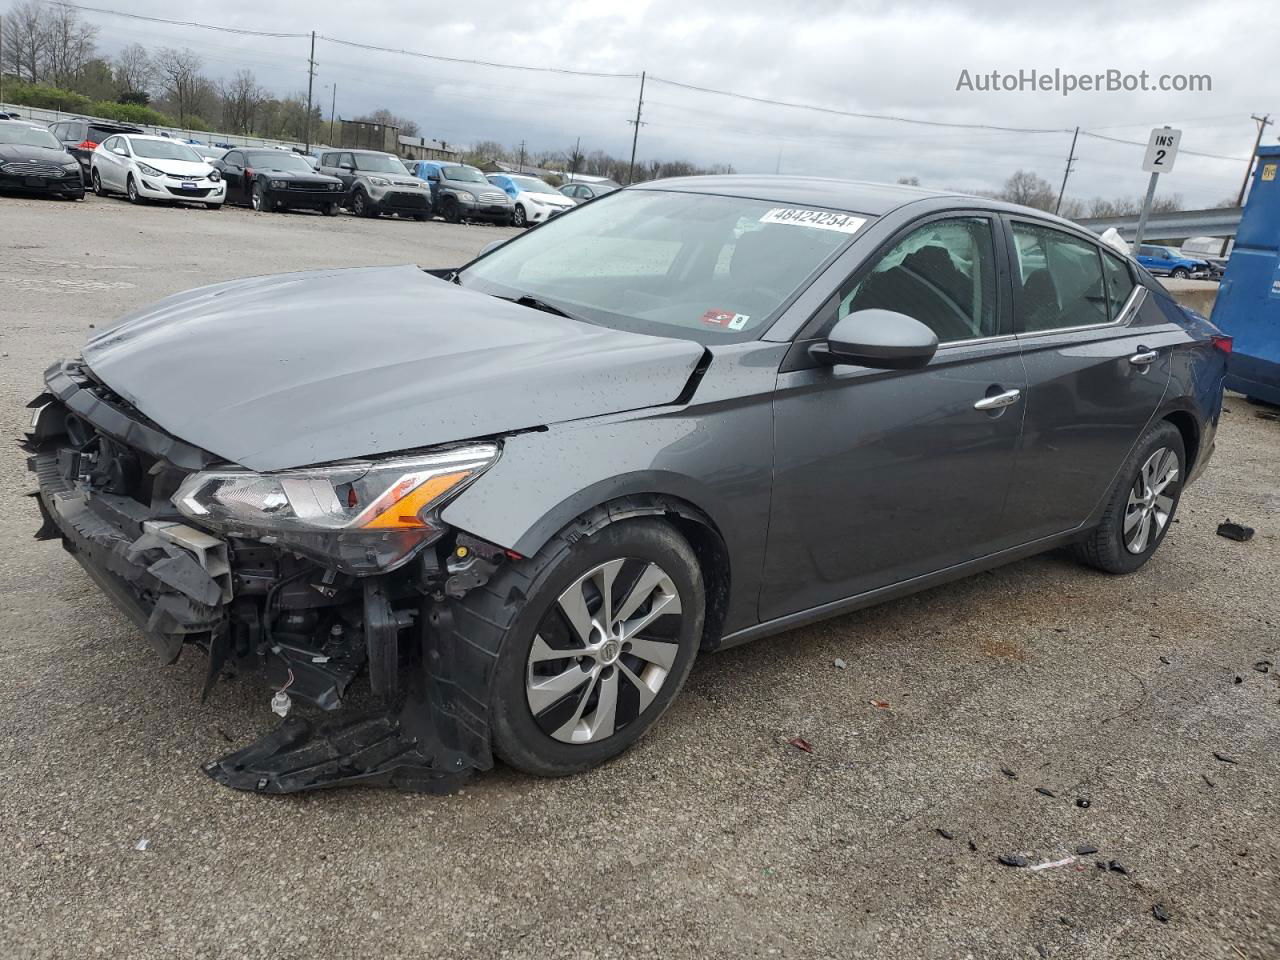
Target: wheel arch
1189,427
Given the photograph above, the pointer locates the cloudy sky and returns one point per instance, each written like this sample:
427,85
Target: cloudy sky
865,57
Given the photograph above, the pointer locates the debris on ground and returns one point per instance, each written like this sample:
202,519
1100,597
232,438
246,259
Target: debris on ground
973,846
1009,773
142,844
946,834
1235,531
1084,803
879,704
1263,666
1165,661
800,743
1115,866
839,664
1267,415
1239,680
1207,780
1065,921
1225,758
1045,791
1161,912
1085,849
1042,951
1013,859
1050,864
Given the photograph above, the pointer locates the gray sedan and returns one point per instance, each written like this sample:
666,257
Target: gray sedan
521,496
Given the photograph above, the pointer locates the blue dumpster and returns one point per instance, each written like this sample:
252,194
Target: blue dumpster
1248,304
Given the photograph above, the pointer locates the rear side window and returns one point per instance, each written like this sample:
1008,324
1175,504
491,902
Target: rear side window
1059,280
942,274
1119,283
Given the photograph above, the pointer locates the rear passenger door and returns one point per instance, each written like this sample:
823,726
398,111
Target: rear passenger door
1097,355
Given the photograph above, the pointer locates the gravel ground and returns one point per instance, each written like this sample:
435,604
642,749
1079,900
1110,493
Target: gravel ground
713,837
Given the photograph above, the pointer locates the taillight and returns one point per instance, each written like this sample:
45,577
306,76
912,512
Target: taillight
87,145
248,172
1221,342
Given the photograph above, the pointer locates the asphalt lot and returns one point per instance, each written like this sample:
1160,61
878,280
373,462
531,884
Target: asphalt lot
713,837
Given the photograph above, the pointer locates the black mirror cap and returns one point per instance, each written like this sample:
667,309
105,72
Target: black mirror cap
880,339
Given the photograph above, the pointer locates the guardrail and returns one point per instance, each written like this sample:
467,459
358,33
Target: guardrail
41,115
1176,227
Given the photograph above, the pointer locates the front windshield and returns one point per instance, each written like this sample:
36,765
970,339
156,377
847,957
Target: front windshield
28,136
707,268
533,185
379,163
164,150
465,174
277,160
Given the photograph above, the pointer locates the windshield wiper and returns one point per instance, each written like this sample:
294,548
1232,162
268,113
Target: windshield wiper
533,302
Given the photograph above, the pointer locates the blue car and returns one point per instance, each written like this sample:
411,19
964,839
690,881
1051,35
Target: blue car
1166,261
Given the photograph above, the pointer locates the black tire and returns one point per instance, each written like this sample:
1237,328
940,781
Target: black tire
131,190
98,191
213,206
332,210
519,218
507,612
1180,273
361,205
422,217
258,201
450,211
1106,548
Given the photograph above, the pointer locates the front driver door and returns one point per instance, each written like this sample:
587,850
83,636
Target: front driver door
885,475
1097,348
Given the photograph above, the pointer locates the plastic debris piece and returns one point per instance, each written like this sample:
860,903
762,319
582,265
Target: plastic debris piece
1235,531
1009,773
1225,758
1115,866
1013,859
1263,666
840,664
1165,661
142,844
1085,849
973,846
1050,864
1207,780
1238,680
800,743
880,704
281,703
1084,803
1161,912
946,834
1066,921
1045,791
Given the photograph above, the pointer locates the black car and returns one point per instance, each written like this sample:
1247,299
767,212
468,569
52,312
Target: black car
82,136
278,180
582,190
32,161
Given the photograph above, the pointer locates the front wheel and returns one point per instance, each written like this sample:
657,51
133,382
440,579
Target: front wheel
258,198
131,190
1142,505
332,210
213,206
596,637
450,212
1180,273
97,184
519,218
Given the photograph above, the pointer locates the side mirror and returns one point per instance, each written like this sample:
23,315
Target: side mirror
881,339
347,166
491,245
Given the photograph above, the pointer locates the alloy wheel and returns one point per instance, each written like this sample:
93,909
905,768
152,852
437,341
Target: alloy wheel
1149,507
97,184
358,204
518,217
132,189
255,198
603,651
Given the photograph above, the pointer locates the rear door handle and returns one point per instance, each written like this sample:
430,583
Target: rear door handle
998,401
1143,357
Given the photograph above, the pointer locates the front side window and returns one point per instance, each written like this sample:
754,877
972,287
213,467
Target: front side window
1119,283
942,274
706,268
1059,279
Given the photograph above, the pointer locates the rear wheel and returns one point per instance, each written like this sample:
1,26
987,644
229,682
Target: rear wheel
596,638
1142,505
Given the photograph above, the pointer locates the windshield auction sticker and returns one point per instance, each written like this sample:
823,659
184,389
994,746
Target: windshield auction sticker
818,219
726,318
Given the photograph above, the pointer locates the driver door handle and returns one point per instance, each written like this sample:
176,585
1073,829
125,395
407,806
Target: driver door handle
1143,357
998,401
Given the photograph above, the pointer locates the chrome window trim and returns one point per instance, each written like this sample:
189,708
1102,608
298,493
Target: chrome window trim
1126,315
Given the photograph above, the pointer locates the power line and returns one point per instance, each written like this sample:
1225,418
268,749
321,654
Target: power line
481,63
1139,143
182,23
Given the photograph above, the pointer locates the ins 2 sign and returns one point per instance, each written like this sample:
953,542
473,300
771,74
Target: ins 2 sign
1162,149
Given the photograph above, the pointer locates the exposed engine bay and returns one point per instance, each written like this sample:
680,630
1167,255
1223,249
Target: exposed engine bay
108,479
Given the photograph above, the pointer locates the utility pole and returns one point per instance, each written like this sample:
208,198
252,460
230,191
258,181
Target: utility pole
1262,122
631,167
575,159
522,156
1071,156
311,79
333,103
1,59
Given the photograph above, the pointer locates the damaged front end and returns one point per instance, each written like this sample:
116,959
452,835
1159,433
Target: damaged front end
310,576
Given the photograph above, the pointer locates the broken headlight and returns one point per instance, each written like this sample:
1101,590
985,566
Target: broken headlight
363,517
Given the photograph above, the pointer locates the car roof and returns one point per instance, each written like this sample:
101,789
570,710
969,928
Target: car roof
147,136
855,196
104,125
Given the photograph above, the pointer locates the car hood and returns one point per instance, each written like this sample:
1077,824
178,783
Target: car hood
22,151
549,199
305,368
295,175
196,169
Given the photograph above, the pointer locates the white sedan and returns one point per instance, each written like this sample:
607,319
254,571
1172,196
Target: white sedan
535,200
154,168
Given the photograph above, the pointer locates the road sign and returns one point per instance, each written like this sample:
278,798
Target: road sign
1162,150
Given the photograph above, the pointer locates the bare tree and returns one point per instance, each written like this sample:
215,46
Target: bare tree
71,46
26,41
1170,203
1029,190
388,119
909,181
241,100
133,69
179,73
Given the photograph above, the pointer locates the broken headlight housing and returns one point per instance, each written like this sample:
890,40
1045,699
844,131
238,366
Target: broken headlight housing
362,517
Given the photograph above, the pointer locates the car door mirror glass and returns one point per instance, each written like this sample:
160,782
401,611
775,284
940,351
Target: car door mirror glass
881,339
